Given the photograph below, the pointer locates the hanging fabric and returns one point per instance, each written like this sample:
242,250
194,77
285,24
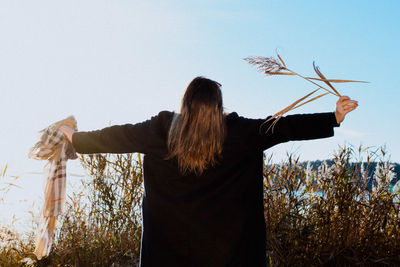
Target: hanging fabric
54,147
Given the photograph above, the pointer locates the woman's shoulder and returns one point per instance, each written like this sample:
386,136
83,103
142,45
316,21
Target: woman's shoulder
234,117
242,125
162,121
165,115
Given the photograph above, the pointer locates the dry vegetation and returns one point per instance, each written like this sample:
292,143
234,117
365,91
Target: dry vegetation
327,216
276,66
331,215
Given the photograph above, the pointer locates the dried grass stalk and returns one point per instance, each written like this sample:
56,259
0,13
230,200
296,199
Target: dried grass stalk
317,71
335,80
292,106
276,66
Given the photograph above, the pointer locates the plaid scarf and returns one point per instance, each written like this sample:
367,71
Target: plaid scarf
54,147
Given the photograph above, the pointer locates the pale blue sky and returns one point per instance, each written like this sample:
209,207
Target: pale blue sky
113,62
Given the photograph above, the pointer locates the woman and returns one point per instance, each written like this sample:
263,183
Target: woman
203,176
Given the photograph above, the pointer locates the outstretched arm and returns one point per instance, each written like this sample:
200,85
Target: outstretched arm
115,139
144,137
305,126
125,138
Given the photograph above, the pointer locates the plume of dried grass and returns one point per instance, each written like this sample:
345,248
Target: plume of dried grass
276,66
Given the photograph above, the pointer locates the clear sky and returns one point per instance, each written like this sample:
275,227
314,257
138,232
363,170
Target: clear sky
113,62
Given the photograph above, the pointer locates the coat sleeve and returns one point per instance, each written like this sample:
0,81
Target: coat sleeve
296,127
127,138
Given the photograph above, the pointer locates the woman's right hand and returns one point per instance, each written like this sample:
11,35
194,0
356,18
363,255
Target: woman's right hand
343,106
68,132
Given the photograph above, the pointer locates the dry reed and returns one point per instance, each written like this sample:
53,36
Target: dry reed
276,66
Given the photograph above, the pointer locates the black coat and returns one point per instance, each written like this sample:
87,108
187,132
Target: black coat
217,218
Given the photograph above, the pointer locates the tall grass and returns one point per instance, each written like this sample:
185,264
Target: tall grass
102,225
330,215
13,247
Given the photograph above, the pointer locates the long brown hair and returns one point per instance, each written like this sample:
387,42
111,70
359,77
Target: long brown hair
197,134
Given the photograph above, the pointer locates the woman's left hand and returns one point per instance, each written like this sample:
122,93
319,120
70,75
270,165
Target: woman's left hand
343,106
